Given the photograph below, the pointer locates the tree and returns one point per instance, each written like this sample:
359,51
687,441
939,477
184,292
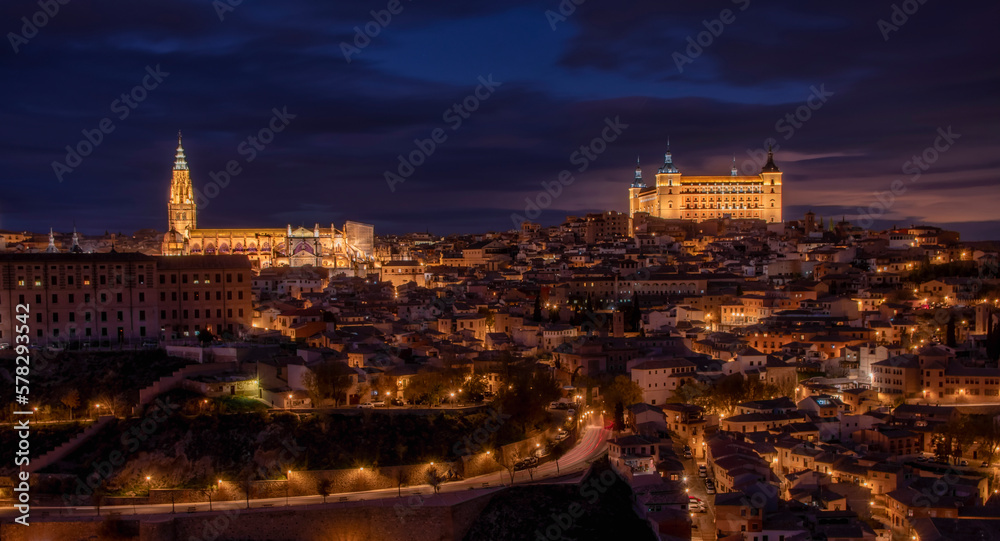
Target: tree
619,423
475,387
400,478
71,400
434,479
537,313
384,386
490,318
691,391
992,338
205,337
328,380
986,433
245,481
428,385
634,314
506,462
621,390
324,486
113,403
558,451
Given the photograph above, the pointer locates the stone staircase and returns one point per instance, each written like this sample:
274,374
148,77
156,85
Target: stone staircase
67,447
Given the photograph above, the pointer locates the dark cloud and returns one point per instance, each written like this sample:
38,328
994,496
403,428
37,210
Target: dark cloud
606,60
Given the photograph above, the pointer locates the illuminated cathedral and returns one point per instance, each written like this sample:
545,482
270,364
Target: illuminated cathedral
350,249
674,196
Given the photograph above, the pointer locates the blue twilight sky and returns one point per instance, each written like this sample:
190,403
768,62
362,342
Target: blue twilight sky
887,90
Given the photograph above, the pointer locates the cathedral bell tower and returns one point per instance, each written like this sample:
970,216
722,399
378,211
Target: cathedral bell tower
181,209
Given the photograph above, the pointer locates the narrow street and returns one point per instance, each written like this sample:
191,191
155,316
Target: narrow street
705,522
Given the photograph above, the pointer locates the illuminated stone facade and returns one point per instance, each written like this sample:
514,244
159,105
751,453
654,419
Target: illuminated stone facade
674,196
350,249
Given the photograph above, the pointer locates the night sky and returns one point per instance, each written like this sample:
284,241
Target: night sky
558,88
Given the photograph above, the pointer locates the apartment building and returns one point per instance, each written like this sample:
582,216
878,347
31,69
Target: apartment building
201,292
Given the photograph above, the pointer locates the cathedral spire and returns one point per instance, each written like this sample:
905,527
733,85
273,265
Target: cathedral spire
76,242
52,243
733,171
637,182
180,160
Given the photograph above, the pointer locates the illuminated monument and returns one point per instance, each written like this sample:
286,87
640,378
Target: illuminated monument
674,196
350,249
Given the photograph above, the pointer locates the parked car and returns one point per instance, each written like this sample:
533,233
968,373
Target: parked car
378,404
696,505
4,345
687,454
985,464
710,490
366,405
542,452
571,411
553,405
963,462
702,472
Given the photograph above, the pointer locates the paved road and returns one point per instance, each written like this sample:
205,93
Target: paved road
696,486
591,445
